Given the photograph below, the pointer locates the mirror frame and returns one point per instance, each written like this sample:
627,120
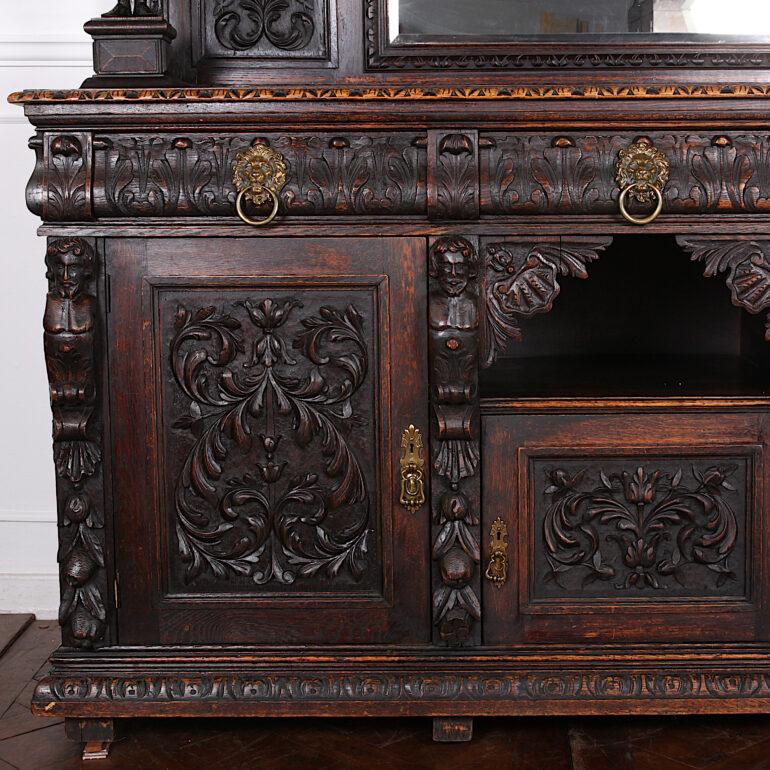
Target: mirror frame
558,52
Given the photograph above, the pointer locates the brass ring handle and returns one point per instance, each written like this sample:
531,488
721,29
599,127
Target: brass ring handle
640,220
256,222
259,173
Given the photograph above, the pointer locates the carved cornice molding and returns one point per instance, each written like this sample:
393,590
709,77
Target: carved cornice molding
394,93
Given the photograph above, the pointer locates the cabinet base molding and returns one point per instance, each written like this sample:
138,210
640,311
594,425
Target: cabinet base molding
416,684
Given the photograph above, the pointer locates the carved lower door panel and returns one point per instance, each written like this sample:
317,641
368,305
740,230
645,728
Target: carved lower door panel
263,389
628,527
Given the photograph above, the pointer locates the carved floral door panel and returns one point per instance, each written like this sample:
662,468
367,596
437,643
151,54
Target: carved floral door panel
258,485
628,527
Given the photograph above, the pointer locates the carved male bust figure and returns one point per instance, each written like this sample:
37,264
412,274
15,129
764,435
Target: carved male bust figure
453,263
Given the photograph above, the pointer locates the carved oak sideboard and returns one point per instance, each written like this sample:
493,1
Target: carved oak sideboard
436,385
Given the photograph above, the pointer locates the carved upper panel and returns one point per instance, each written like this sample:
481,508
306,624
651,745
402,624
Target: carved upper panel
266,29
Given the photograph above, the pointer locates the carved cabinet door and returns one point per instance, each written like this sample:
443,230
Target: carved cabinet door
630,526
260,390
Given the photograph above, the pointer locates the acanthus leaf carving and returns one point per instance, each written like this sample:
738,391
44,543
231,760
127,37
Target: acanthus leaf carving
522,281
454,191
746,266
273,525
639,527
545,174
288,25
154,176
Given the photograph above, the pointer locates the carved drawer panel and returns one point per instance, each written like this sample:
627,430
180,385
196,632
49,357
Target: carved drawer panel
619,516
151,175
573,174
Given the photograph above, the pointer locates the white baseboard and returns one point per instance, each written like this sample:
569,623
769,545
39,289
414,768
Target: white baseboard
29,592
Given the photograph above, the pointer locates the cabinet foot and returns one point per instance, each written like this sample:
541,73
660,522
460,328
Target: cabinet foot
96,735
452,729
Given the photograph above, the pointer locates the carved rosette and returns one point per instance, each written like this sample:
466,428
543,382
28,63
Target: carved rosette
745,265
70,344
522,281
454,343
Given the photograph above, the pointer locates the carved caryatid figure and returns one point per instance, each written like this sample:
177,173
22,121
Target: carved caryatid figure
127,8
454,323
69,349
453,263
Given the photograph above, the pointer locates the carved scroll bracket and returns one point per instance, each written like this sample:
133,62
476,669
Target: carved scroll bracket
454,343
71,354
453,175
522,279
744,263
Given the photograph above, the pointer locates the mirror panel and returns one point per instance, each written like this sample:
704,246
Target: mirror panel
516,18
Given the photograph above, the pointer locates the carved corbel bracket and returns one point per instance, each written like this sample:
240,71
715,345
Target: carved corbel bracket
454,341
60,189
744,263
521,279
71,353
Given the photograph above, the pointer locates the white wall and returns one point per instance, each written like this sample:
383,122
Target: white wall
56,55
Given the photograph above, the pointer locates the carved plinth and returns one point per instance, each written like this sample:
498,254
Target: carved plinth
131,46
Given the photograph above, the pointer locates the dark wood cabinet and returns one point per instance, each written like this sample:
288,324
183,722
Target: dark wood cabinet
395,373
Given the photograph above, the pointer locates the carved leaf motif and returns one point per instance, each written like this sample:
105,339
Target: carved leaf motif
240,24
522,283
159,176
658,526
266,529
746,265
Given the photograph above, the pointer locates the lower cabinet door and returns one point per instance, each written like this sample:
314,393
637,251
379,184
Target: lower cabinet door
260,390
628,527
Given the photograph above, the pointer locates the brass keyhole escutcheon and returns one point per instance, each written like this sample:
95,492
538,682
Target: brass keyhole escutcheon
412,473
259,174
497,568
641,173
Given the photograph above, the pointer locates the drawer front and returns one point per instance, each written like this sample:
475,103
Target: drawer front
172,175
574,174
628,527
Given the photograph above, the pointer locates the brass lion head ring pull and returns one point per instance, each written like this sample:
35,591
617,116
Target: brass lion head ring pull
259,174
642,172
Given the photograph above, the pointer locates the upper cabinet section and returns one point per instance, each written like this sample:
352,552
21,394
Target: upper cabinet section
355,42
